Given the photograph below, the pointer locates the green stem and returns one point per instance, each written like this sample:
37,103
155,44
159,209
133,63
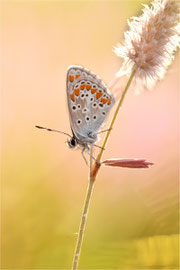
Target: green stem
83,218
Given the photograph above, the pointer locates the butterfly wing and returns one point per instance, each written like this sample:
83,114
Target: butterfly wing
89,103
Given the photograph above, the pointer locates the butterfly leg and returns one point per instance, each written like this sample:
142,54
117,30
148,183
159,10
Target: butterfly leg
88,150
104,131
98,146
90,154
82,152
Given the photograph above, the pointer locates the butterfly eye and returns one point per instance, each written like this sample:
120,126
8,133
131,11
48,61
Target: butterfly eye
79,106
103,113
87,95
82,96
92,99
94,117
100,91
100,105
94,104
82,82
94,86
73,142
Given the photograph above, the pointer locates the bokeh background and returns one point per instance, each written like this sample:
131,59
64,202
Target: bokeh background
133,218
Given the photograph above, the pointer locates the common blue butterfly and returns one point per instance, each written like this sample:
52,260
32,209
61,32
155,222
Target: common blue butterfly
89,102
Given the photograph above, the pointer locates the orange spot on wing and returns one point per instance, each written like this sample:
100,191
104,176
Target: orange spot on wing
82,86
72,97
88,86
98,95
77,76
109,101
93,90
104,100
77,91
71,78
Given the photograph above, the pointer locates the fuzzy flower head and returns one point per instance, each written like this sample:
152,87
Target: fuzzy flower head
151,41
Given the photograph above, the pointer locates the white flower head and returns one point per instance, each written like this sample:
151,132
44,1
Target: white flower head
151,41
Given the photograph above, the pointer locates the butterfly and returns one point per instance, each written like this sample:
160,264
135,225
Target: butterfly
89,102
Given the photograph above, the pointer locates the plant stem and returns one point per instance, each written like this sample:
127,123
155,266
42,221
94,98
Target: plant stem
115,115
92,177
83,217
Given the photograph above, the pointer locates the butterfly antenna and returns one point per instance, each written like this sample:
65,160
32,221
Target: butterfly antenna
54,130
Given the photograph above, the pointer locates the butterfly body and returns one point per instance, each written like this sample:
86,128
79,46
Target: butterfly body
89,103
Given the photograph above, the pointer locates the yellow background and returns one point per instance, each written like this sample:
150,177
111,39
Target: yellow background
133,218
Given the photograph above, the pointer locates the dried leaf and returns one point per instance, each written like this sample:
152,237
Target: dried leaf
127,163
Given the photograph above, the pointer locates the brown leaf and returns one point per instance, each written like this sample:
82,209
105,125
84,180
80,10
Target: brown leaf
127,163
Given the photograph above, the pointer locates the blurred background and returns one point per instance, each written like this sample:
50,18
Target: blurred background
133,218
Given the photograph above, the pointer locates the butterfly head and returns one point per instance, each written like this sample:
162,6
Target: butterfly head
72,143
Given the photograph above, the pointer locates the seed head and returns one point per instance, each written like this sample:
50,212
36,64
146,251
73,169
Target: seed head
151,41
